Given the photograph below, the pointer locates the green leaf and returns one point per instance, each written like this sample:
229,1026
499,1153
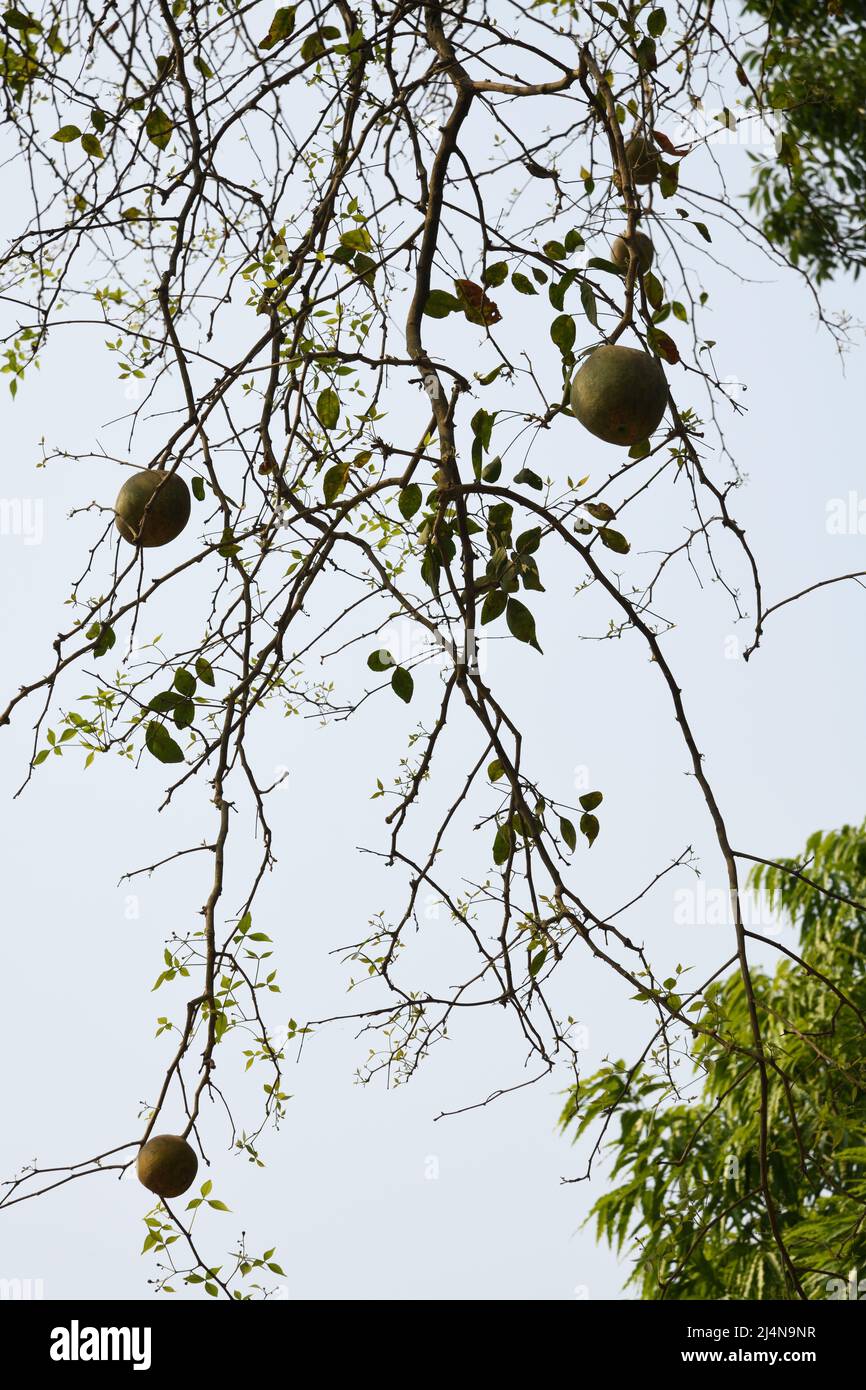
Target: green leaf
657,23
91,146
335,480
704,230
488,377
165,702
314,44
555,250
568,832
502,844
481,424
589,827
158,128
531,479
198,488
653,289
16,19
537,961
600,510
204,671
66,134
366,267
493,606
528,541
521,623
590,800
184,714
356,239
669,181
440,304
557,291
282,27
614,540
228,545
495,274
402,683
105,641
522,283
328,408
160,743
410,500
587,299
495,770
563,331
609,267
185,682
431,566
528,570
646,55
380,661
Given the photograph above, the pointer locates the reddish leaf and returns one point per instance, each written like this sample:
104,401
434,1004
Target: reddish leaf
663,345
668,145
475,303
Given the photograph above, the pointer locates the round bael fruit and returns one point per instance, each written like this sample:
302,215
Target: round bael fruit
642,245
167,1165
643,158
619,394
152,507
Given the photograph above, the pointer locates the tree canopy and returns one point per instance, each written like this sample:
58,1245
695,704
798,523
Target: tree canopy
347,262
809,62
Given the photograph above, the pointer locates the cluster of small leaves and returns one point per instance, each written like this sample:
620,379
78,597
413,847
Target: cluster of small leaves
402,682
178,702
523,826
162,1234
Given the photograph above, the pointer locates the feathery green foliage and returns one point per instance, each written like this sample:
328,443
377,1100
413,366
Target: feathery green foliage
685,1198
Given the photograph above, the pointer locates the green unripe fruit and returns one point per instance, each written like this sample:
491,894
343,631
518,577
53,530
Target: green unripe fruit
642,245
167,1165
619,395
643,158
152,507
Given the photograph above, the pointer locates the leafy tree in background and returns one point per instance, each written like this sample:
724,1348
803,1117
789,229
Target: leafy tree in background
809,67
314,243
685,1199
